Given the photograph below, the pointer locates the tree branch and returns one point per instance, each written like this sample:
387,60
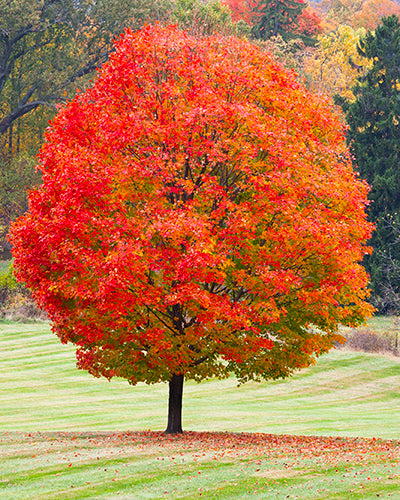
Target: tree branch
21,110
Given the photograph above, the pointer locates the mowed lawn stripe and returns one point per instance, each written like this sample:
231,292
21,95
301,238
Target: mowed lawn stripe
345,393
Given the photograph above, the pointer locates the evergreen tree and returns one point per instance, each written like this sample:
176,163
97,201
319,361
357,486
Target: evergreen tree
374,135
277,17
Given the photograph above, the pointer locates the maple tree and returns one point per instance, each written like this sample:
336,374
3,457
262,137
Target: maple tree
199,216
243,10
308,23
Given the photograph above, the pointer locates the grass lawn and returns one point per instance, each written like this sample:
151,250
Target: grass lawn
132,465
64,434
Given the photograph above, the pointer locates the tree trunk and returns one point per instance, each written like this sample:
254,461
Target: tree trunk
175,405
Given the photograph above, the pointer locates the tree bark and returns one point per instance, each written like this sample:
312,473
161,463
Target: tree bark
175,405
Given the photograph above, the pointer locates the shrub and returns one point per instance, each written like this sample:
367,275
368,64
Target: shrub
367,340
15,299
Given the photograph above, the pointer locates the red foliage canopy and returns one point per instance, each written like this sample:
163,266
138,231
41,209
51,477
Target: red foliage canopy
198,215
308,23
243,9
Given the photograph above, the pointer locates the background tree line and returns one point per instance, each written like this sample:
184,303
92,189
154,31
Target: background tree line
51,48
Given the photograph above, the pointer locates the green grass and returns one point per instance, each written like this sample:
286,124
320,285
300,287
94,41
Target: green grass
345,394
149,465
64,434
381,324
